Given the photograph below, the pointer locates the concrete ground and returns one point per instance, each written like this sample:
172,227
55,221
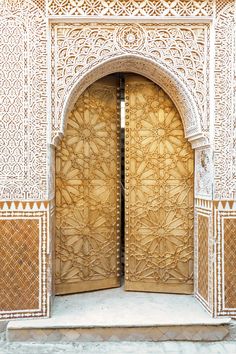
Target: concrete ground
67,307
115,315
116,307
120,348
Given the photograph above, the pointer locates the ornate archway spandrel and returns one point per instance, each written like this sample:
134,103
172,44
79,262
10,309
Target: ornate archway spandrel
180,50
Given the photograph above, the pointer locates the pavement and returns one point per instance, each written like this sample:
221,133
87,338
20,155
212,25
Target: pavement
119,348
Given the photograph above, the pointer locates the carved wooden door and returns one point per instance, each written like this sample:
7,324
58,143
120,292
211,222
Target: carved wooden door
159,192
87,193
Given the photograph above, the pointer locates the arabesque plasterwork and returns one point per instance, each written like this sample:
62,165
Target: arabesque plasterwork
15,182
130,8
51,51
225,121
181,49
23,122
204,173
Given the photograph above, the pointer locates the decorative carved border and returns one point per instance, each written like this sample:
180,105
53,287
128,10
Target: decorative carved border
225,117
200,8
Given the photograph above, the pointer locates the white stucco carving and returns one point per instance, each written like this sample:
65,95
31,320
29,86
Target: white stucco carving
176,56
130,8
23,121
51,51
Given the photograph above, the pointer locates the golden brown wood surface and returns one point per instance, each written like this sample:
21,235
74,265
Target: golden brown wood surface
20,258
229,262
159,192
203,230
87,193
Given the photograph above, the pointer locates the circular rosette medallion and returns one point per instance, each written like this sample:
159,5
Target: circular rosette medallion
130,37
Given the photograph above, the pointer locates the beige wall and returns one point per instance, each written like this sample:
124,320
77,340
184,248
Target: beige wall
48,62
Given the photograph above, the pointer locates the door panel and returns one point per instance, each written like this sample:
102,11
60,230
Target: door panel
159,192
87,193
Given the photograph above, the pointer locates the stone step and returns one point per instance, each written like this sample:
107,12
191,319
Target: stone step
115,315
115,334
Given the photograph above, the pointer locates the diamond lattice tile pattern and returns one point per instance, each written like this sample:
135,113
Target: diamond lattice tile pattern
230,262
19,277
203,256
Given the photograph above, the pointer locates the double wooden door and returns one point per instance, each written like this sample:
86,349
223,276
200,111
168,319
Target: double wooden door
158,171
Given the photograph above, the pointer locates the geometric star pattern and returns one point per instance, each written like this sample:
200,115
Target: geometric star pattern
159,192
87,193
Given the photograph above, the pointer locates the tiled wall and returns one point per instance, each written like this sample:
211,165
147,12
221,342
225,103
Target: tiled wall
225,258
25,255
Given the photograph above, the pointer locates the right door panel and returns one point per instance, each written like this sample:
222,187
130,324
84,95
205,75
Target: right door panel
159,170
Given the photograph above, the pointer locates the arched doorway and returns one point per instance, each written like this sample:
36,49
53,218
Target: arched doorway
158,172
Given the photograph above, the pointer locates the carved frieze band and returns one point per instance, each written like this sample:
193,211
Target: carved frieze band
181,8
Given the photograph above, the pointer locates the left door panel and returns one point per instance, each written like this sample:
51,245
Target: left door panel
88,193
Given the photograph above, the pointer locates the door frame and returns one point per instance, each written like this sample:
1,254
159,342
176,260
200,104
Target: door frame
182,98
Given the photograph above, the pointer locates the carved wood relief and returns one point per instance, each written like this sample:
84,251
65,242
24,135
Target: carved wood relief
159,192
87,193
